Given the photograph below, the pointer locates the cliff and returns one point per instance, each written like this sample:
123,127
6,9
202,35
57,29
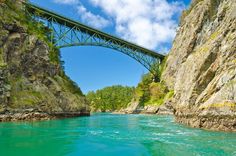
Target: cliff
150,98
32,81
201,67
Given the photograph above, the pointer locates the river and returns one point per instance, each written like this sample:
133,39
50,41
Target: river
112,135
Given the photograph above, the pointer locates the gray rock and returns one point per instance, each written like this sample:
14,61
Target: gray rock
32,82
201,67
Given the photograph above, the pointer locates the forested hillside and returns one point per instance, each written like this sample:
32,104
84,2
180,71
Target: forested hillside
110,98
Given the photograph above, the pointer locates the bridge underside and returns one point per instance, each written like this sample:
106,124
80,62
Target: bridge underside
66,33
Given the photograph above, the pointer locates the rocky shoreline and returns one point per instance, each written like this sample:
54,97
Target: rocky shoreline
134,108
33,84
33,116
216,123
38,115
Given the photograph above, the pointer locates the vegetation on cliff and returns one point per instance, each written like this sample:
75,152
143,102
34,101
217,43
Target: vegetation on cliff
31,70
151,93
110,98
201,67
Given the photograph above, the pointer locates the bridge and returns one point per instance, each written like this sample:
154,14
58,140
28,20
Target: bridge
66,32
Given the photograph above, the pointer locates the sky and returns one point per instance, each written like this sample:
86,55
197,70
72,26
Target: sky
148,23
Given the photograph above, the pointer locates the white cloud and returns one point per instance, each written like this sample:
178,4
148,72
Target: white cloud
70,2
85,15
92,19
149,23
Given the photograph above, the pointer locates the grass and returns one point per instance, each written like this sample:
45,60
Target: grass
170,94
68,85
26,98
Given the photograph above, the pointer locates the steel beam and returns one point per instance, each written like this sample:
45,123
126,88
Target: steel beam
67,32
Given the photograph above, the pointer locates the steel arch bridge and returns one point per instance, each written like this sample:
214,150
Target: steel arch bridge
66,32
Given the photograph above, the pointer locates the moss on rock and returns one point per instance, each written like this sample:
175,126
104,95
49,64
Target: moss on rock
33,67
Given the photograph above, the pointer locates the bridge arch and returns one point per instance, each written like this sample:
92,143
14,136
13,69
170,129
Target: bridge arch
67,32
147,62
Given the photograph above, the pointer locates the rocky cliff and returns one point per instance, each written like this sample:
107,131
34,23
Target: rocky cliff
150,98
32,81
201,67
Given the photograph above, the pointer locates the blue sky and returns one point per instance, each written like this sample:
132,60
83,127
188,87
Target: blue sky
149,23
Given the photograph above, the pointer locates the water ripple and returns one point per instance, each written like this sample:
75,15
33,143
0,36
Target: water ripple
107,134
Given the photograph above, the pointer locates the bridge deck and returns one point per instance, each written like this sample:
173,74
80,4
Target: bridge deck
44,13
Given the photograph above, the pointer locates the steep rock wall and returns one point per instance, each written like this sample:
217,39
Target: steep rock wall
201,67
31,77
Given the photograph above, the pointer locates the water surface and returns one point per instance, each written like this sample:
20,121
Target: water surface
112,135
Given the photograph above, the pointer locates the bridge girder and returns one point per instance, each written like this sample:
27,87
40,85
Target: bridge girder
66,33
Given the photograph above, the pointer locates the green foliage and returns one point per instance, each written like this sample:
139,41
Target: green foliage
110,98
17,15
73,87
157,70
55,56
170,94
68,85
157,92
163,66
142,93
151,93
24,93
23,96
26,98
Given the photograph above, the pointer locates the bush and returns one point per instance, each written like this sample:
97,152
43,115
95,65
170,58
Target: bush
151,93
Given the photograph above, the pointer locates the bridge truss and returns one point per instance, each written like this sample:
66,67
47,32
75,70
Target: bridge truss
67,32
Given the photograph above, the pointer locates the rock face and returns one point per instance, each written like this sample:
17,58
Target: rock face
135,108
132,108
201,67
31,76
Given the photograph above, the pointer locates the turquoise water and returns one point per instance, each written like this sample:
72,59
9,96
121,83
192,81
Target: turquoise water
112,135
